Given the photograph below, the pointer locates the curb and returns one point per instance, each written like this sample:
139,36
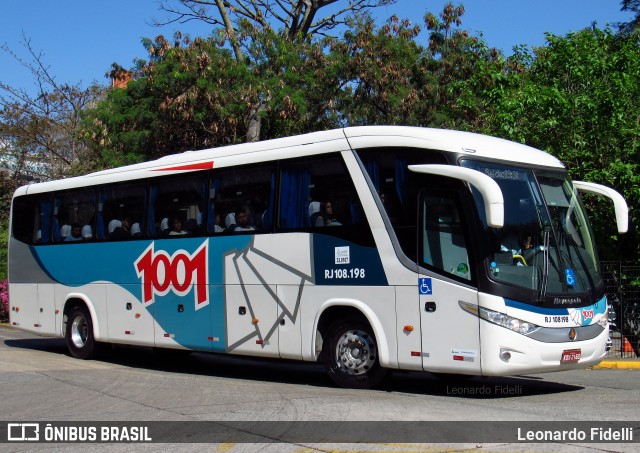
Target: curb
619,365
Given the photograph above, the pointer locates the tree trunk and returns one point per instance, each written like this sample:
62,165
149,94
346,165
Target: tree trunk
254,123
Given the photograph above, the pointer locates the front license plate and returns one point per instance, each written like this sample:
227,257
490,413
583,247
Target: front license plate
571,355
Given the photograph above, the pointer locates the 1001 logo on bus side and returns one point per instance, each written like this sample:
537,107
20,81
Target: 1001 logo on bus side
162,273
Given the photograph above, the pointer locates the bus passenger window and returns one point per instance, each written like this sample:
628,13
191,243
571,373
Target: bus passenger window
73,209
176,205
31,221
241,199
318,192
121,207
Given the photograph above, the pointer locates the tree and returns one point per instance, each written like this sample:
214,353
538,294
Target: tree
295,19
241,20
632,6
379,72
195,94
39,133
390,78
464,67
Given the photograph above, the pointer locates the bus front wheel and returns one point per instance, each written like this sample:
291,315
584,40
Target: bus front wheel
79,334
350,354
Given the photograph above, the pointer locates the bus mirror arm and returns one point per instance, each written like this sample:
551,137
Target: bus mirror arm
488,188
619,204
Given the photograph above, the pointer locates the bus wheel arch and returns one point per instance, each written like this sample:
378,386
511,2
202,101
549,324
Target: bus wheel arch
351,347
79,329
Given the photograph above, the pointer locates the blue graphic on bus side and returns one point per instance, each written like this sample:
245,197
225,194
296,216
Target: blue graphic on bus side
181,282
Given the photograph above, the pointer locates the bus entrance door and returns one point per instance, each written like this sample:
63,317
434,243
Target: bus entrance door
450,330
450,335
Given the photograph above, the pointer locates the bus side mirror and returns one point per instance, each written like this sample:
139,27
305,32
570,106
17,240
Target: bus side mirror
488,188
619,204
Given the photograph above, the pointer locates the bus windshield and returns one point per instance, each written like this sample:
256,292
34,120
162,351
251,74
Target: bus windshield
546,244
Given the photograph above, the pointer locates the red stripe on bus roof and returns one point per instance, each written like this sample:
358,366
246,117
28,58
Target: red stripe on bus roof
199,166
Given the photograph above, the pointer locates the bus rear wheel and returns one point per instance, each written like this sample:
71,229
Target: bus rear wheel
79,334
350,354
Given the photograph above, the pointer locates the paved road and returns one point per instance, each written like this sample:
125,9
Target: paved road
39,381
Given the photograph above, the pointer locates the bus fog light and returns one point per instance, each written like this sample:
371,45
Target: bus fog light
505,355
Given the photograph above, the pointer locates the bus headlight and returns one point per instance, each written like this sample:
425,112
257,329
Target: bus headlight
509,322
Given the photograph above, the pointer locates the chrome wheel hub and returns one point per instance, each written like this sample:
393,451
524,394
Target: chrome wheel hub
79,330
355,352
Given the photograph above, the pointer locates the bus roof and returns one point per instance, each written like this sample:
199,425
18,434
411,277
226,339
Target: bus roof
475,145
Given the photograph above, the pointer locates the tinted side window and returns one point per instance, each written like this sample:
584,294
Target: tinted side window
442,240
241,199
398,187
121,211
317,194
31,221
74,215
176,205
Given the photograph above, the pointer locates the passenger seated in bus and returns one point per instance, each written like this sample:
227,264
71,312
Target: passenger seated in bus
192,227
76,233
326,215
242,222
123,231
87,233
217,227
176,229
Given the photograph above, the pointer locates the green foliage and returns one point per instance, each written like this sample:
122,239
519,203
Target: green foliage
194,95
380,73
185,97
294,84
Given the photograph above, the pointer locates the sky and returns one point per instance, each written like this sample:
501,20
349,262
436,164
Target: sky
80,39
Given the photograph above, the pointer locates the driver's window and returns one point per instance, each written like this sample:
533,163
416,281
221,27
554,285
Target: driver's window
443,244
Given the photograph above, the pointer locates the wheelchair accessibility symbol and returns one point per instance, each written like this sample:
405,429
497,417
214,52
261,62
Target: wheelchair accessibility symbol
424,286
570,277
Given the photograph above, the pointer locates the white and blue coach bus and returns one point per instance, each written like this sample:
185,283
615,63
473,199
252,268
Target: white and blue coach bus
368,248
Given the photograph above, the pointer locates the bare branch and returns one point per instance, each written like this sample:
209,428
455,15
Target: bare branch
42,129
297,18
231,32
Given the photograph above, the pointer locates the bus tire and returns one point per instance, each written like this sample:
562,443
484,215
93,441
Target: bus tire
79,334
350,353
